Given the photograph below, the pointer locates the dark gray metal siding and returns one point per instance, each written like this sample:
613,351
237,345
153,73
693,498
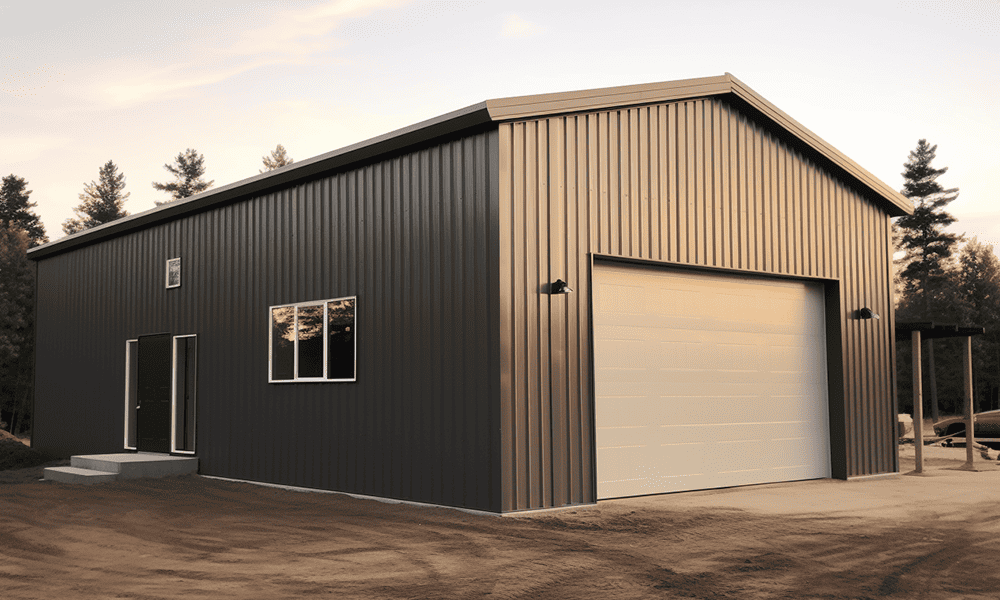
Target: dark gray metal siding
412,236
686,183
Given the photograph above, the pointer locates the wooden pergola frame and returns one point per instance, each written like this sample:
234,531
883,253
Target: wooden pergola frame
920,331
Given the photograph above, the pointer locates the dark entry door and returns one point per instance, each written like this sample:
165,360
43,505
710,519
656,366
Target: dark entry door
153,393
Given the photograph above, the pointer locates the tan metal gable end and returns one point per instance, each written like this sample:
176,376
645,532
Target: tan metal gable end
697,183
525,107
481,115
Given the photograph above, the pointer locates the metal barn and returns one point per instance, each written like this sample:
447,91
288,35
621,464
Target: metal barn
531,302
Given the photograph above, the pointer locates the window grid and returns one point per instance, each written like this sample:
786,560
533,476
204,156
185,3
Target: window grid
325,341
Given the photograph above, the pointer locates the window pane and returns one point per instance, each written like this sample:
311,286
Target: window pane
173,272
311,341
340,330
283,342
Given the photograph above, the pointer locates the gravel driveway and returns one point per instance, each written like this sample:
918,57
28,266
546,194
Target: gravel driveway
191,537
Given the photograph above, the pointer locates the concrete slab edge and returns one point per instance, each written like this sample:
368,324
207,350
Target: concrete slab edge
875,477
530,512
471,511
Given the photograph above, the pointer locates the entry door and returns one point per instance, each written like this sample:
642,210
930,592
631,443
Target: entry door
153,393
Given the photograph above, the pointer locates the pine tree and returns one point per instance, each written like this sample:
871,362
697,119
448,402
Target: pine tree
279,158
926,245
101,202
188,168
15,209
928,293
17,285
978,281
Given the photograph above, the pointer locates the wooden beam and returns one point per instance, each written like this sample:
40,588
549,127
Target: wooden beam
918,403
970,433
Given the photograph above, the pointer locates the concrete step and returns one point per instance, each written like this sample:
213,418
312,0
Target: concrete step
128,465
96,468
77,475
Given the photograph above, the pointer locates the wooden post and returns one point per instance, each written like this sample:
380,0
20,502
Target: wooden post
932,382
918,403
970,433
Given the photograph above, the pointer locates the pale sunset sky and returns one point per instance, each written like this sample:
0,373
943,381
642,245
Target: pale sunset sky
138,82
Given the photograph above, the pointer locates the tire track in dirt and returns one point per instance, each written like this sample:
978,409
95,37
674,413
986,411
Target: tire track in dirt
207,538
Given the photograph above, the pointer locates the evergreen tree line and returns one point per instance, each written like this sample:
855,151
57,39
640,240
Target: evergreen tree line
942,280
101,202
20,229
936,279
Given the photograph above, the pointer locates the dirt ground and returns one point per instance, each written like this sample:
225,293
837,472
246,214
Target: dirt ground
932,536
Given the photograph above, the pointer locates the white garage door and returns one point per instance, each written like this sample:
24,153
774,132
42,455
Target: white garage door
706,381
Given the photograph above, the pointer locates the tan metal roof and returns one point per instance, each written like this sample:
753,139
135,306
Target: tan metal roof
479,115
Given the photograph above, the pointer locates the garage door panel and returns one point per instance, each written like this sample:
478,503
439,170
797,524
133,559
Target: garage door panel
688,459
798,408
627,332
676,355
624,354
619,299
638,468
684,434
615,384
628,437
693,381
739,432
639,464
618,411
739,456
791,451
792,359
707,381
733,409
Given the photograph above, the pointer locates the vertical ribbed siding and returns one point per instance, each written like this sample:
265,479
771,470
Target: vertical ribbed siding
694,183
411,236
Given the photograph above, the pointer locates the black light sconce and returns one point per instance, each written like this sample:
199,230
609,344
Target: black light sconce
560,287
867,313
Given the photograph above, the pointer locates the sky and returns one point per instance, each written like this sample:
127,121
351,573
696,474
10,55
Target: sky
138,82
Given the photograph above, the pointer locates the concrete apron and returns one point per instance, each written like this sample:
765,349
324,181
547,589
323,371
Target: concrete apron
97,468
942,484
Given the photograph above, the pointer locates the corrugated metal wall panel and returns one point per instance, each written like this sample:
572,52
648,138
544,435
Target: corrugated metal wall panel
694,182
410,236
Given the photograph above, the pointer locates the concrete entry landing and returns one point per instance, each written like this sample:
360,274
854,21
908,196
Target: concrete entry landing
97,468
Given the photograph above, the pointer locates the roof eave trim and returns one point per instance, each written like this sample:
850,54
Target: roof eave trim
897,201
521,107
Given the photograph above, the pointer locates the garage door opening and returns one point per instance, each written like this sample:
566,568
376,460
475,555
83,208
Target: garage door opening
707,380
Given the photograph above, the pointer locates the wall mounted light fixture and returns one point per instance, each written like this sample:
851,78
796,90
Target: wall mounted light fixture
560,287
867,313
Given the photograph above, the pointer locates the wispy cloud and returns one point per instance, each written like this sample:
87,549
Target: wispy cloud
516,26
295,36
15,150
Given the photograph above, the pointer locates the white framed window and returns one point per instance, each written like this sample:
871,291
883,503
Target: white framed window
173,272
313,341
